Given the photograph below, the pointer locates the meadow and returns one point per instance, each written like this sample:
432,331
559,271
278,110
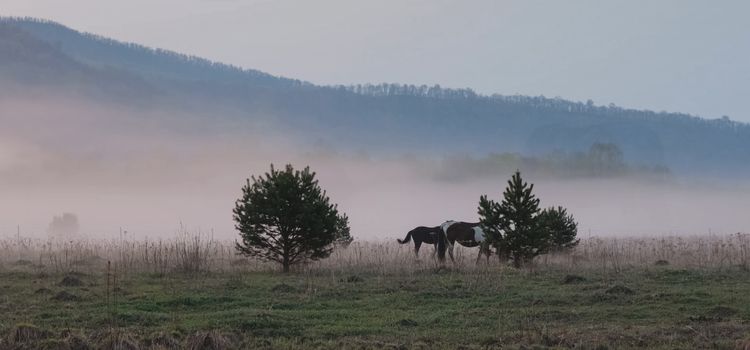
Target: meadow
195,292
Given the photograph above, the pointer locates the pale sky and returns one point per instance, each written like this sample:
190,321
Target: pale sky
674,55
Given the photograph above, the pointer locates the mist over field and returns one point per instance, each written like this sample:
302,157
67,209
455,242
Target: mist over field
151,170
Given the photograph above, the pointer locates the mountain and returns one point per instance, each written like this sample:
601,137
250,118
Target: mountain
379,119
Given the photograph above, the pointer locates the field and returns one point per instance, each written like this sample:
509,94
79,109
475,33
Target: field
192,292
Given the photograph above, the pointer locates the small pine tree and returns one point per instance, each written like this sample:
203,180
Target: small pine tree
285,217
511,225
560,226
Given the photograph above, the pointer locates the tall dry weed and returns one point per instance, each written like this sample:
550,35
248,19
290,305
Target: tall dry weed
195,253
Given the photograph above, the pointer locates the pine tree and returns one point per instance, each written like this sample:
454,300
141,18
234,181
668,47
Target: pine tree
511,225
560,226
285,217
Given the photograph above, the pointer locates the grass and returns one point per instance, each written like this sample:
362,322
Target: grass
196,293
484,307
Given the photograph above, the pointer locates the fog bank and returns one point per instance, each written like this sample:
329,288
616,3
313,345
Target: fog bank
150,171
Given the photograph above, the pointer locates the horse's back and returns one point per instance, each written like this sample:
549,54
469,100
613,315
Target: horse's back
461,232
426,234
447,225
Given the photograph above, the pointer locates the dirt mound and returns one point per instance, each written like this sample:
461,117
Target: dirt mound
572,279
536,302
620,289
722,311
43,291
407,323
704,318
71,281
65,296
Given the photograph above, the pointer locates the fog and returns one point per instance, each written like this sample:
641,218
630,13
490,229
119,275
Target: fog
148,172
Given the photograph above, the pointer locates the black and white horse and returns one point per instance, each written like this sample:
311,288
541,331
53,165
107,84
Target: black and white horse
422,234
467,234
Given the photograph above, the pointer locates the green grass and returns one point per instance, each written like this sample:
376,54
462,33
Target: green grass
669,308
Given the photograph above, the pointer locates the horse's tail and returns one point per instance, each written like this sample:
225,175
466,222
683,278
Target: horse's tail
406,239
441,245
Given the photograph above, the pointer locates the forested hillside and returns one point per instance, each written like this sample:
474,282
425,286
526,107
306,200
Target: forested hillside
378,119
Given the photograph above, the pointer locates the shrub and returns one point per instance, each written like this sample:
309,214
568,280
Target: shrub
560,226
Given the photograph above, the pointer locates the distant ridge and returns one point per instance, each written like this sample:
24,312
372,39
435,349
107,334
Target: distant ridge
98,50
382,118
556,103
75,42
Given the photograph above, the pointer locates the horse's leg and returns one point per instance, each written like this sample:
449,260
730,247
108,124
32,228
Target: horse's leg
417,244
450,250
483,249
434,252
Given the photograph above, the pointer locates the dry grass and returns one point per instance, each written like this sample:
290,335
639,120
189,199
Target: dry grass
211,340
164,341
115,339
27,333
200,253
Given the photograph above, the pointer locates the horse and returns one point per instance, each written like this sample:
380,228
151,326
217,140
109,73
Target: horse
422,234
467,234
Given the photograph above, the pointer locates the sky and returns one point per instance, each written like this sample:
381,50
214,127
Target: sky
673,55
